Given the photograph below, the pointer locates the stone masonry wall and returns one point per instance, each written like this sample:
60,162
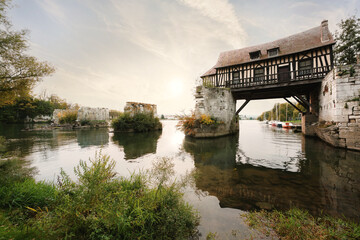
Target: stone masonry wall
340,107
136,107
220,104
84,113
93,114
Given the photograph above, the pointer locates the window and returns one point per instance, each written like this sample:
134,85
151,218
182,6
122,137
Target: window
273,52
236,76
259,74
305,67
255,55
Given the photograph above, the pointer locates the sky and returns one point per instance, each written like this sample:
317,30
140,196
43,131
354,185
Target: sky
109,52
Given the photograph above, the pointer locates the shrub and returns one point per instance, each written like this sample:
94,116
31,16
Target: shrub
139,122
68,116
188,124
100,206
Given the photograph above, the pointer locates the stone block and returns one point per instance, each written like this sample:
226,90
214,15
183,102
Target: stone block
353,144
354,117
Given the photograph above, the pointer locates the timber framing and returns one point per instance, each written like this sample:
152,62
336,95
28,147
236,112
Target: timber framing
298,65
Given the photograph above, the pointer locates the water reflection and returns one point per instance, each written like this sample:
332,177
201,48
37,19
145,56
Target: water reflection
22,143
137,144
92,137
325,179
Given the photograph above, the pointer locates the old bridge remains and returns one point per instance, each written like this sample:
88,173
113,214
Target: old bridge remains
295,66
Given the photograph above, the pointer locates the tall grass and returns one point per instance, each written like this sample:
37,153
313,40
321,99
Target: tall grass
99,205
139,122
299,224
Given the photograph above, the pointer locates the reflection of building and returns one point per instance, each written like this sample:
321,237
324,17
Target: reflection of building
92,137
137,144
325,182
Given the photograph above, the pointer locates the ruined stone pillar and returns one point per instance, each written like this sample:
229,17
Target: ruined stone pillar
219,104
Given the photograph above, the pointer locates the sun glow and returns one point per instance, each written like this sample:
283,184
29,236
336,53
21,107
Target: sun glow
175,87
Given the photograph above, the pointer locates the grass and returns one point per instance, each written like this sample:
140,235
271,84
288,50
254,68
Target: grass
97,205
299,224
139,122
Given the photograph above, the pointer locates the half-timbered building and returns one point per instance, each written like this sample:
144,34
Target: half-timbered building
282,68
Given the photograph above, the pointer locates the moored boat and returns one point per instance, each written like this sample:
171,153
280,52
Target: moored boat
287,125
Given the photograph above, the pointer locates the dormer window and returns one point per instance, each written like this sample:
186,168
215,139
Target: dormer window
273,52
255,55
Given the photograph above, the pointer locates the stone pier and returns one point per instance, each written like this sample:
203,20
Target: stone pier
219,104
339,113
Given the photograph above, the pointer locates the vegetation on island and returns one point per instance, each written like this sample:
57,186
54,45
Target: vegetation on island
282,112
299,224
137,122
98,205
188,123
347,41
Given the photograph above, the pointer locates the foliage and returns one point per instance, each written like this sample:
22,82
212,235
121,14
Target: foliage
188,123
206,119
98,205
67,116
138,122
114,114
348,41
93,123
299,224
25,107
19,72
282,112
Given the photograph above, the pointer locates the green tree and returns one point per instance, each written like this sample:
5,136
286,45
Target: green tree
348,41
19,72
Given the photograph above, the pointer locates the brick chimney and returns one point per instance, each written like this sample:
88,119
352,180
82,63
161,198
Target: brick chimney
324,31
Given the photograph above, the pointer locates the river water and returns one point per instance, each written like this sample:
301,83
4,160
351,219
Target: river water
261,167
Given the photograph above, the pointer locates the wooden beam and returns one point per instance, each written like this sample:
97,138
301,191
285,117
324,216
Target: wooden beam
294,106
242,106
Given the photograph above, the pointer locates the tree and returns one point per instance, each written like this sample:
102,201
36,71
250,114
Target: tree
348,41
19,72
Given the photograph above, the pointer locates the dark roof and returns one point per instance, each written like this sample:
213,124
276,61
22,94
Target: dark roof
312,38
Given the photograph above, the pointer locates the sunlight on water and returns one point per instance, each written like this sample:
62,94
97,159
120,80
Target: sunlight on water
261,167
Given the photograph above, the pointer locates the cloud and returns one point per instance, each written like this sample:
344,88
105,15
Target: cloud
224,13
54,10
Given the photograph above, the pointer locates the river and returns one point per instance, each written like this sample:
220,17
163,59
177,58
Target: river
261,167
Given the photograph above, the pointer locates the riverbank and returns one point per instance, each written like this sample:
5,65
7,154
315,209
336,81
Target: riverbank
299,224
96,206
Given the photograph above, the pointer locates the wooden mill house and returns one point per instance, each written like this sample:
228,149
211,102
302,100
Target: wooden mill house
287,67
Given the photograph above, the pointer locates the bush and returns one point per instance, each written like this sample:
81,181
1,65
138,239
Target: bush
96,206
100,206
188,124
139,122
67,117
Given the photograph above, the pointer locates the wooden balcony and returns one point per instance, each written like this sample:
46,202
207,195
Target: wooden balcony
277,85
